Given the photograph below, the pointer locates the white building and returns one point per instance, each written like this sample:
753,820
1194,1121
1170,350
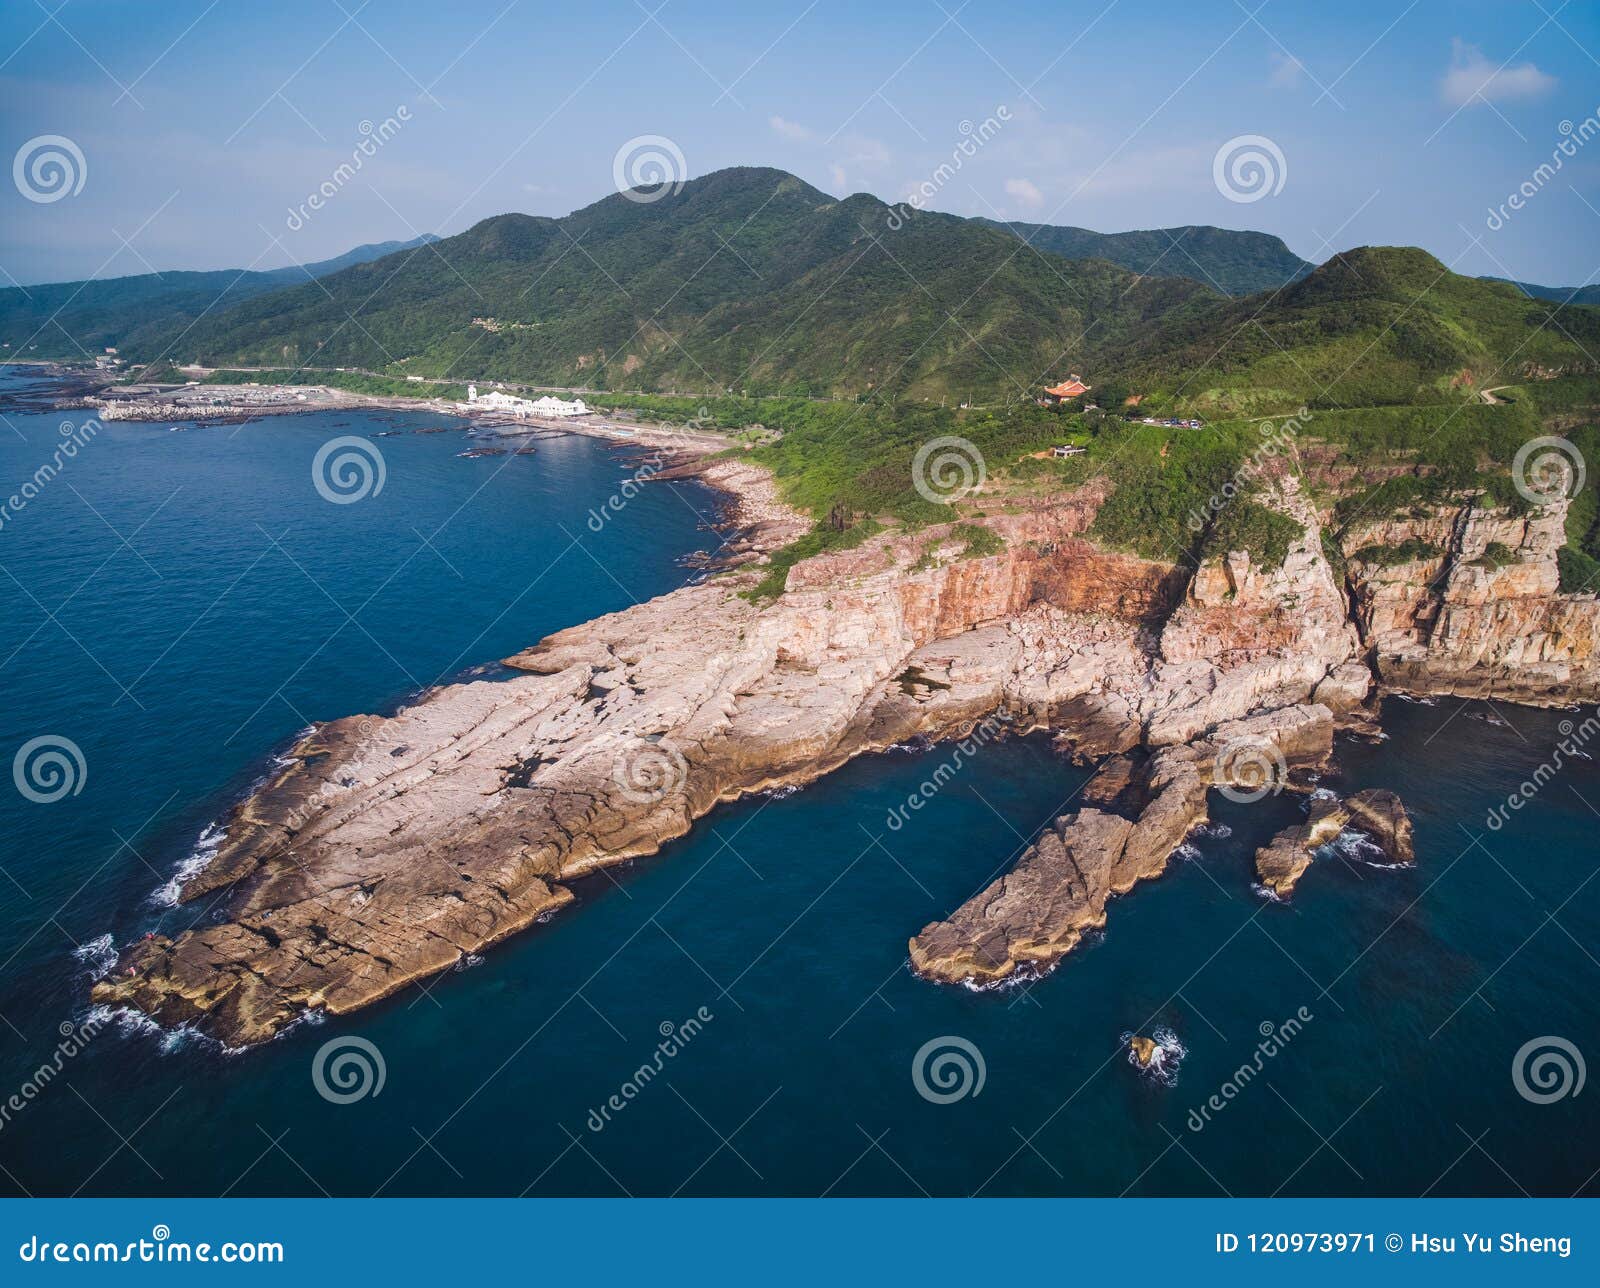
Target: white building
494,400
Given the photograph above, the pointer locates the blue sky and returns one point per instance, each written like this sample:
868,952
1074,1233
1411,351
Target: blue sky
201,125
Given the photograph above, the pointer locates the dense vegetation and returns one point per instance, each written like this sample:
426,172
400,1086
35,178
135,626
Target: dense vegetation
147,313
1559,294
1377,326
1235,263
1175,495
834,339
747,280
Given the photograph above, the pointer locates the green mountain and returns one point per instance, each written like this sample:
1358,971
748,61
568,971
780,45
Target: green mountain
1375,325
73,319
751,281
1234,263
1559,294
746,279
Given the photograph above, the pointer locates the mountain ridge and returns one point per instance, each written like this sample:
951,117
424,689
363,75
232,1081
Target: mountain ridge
1232,261
750,280
72,319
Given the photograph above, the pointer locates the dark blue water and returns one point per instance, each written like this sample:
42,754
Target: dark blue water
179,604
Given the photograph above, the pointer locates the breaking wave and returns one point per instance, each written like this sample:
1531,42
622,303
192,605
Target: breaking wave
1169,1053
136,1024
98,954
1358,847
205,849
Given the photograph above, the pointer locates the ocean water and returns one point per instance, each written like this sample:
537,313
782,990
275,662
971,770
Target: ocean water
179,605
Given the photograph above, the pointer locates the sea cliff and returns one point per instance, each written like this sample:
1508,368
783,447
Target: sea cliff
387,848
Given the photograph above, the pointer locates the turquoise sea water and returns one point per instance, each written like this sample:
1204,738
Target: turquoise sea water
179,605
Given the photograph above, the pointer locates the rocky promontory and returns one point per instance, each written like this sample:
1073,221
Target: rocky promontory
387,848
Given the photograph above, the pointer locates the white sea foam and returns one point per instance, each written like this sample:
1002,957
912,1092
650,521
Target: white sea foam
306,1019
283,762
1267,893
1358,847
98,955
1169,1053
1188,851
1024,975
1217,831
205,849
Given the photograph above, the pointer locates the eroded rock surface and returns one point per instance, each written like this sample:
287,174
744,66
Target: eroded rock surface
1475,609
1376,813
389,847
1041,909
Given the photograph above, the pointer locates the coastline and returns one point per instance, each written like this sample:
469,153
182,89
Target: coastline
437,832
763,520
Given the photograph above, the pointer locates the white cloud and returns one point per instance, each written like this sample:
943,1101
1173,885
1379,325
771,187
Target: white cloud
837,172
1287,71
1472,76
865,151
1025,192
791,130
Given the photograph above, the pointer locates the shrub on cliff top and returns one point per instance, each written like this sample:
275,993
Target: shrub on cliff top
1265,534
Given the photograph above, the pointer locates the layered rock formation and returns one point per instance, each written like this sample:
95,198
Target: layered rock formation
1375,813
1463,600
390,847
1058,890
1247,639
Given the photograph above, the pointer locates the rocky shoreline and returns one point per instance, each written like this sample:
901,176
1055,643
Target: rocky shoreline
389,848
